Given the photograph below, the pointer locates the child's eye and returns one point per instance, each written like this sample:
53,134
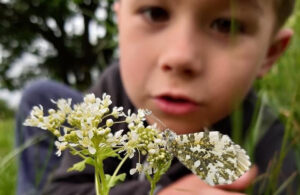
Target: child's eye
227,26
155,14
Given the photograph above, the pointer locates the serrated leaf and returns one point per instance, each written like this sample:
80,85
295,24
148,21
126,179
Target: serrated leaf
85,152
73,152
107,152
80,166
90,161
116,180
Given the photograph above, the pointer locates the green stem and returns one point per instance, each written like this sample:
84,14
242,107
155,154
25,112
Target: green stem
152,183
119,122
117,170
97,183
153,186
100,171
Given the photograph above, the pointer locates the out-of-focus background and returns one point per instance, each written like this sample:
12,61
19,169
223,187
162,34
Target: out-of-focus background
67,40
72,41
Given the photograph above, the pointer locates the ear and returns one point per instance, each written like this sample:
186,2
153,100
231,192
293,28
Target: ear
279,45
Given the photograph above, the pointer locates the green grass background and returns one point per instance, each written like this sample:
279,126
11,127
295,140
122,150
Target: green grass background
8,174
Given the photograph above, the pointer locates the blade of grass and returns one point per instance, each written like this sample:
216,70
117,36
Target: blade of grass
9,157
285,184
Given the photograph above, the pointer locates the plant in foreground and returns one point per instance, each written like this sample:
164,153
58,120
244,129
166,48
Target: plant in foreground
85,129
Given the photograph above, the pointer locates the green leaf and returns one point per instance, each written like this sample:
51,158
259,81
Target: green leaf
162,171
85,152
90,161
80,166
74,152
117,179
107,152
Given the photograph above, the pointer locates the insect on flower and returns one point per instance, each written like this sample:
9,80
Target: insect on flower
210,155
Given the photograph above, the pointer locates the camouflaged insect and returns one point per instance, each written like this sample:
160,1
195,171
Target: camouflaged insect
210,155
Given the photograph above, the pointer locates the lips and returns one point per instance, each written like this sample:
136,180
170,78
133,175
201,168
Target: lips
175,104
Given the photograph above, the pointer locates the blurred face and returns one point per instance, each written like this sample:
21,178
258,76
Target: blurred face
180,60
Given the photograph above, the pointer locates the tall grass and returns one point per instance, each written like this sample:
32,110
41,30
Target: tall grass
7,175
281,90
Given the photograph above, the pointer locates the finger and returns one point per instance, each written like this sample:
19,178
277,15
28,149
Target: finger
192,185
243,182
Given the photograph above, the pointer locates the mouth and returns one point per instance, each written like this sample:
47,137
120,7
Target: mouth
175,105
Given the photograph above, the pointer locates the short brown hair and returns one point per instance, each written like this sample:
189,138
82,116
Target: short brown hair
283,9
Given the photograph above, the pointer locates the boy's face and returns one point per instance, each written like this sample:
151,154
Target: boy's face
180,60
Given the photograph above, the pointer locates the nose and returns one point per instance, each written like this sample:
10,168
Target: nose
181,54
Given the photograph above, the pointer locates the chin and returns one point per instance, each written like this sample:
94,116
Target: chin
183,127
185,130
178,124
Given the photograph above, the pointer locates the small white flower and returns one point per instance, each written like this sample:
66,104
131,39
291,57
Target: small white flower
158,141
117,111
91,134
37,111
90,98
106,100
134,136
109,122
92,150
152,151
73,144
132,171
61,138
139,169
87,143
61,146
79,134
64,105
131,126
101,132
118,134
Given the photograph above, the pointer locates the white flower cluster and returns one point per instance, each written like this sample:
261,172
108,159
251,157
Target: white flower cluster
54,120
87,128
150,141
81,126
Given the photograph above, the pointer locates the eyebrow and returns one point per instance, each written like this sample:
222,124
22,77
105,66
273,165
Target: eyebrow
252,3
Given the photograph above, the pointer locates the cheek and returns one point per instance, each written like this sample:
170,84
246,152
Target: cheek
233,74
135,65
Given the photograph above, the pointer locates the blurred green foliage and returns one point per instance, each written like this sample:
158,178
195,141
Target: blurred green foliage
72,56
5,111
9,176
281,89
282,85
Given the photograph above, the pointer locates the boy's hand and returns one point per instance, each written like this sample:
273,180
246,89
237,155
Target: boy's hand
192,185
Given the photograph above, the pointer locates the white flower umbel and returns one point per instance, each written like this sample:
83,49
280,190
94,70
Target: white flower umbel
149,141
85,130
